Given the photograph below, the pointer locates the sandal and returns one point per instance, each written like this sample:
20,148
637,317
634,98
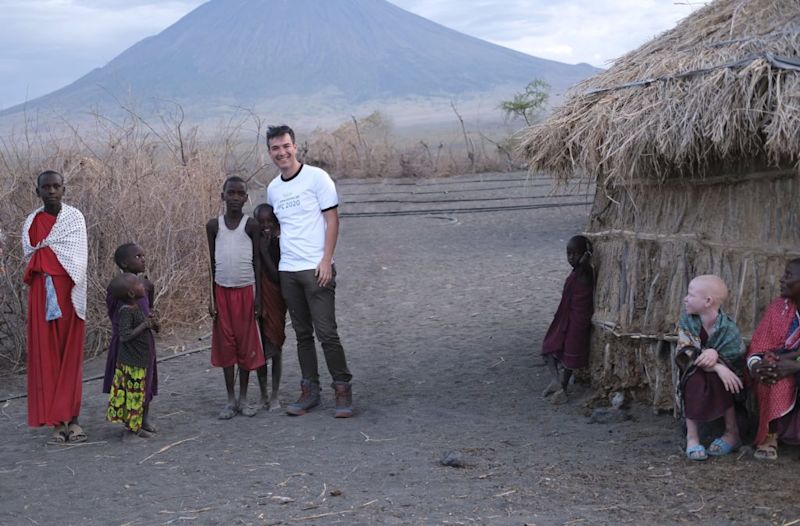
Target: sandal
76,433
768,450
228,412
697,452
249,410
59,437
720,447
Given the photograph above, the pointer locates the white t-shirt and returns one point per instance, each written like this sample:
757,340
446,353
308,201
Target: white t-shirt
299,203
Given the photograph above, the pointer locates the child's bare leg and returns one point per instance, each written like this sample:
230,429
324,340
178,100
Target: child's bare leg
262,384
277,367
731,435
552,366
147,424
565,377
243,406
694,450
229,411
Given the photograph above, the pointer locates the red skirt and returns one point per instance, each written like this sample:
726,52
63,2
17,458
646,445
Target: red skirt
235,339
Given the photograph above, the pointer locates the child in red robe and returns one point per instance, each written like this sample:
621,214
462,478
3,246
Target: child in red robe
566,344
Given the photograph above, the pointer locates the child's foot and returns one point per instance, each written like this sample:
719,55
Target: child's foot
551,388
724,445
59,436
228,412
696,452
274,403
250,409
143,433
149,427
559,397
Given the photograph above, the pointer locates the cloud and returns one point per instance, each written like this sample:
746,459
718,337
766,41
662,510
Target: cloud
46,44
572,31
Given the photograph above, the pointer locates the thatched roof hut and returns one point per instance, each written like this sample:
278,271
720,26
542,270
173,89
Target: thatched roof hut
693,141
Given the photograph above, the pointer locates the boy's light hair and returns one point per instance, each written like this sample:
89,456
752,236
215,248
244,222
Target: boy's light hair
713,286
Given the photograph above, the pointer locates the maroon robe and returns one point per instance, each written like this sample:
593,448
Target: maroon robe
567,339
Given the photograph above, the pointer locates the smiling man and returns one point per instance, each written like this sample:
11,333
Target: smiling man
55,245
306,204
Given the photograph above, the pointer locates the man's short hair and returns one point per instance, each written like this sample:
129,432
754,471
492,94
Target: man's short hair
279,131
234,179
47,173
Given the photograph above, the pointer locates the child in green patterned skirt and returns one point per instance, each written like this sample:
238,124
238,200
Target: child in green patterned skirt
126,403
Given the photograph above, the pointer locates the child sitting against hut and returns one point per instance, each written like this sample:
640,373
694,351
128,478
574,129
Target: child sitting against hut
130,258
236,295
709,355
273,320
127,401
566,344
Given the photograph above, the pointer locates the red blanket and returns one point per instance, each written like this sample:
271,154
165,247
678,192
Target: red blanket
774,401
55,348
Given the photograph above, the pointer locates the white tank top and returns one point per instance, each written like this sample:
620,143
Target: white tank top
233,253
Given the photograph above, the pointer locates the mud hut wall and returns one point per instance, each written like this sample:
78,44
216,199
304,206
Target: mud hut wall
640,367
650,240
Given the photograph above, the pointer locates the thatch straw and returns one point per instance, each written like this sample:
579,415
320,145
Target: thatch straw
737,104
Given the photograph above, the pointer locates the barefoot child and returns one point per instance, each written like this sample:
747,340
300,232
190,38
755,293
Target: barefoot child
127,402
130,258
273,320
566,344
236,298
709,354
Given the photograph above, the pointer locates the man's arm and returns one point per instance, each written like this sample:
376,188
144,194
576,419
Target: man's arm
324,271
212,227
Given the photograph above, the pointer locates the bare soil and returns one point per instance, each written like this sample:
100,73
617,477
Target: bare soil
442,306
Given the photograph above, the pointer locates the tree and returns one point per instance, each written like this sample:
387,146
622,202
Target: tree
528,103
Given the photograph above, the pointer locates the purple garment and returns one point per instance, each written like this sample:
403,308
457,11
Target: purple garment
151,380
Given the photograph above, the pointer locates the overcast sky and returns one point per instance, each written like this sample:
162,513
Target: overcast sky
46,44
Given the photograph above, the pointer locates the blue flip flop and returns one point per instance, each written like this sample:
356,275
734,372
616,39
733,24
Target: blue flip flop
720,447
697,452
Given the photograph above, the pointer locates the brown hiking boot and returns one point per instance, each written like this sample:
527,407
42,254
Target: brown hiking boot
309,397
344,399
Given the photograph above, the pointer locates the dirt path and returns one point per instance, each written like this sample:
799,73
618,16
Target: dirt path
441,314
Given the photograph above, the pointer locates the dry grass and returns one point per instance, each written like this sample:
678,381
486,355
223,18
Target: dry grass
678,124
157,183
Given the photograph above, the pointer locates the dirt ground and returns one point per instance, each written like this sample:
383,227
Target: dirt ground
445,290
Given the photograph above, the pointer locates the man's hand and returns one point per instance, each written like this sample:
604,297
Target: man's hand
324,273
733,384
212,311
707,359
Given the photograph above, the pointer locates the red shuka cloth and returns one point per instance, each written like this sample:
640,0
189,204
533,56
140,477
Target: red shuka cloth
774,401
273,310
55,348
568,336
234,337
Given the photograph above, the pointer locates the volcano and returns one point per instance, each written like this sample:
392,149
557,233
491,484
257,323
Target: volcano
310,55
